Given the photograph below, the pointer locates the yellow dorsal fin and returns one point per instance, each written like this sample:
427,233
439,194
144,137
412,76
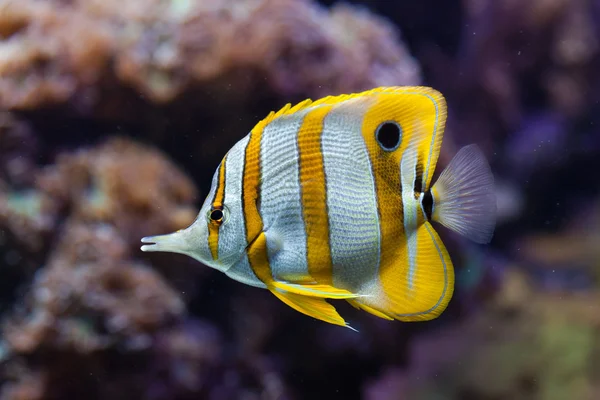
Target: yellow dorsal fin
288,109
322,291
314,307
285,110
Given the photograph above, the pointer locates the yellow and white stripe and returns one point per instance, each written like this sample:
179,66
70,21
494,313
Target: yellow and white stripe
281,202
413,290
351,199
232,233
257,255
323,203
314,196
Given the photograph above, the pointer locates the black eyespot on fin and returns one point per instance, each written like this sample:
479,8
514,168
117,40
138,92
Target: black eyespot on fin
389,135
427,204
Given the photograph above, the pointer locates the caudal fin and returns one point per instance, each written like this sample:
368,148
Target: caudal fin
464,199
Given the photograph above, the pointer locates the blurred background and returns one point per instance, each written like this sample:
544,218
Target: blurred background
114,115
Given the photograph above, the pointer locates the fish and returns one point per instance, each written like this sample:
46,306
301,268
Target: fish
332,200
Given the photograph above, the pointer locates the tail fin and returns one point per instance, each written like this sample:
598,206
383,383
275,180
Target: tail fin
463,197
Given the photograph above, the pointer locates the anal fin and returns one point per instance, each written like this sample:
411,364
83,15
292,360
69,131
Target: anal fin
368,309
417,291
316,290
426,295
312,306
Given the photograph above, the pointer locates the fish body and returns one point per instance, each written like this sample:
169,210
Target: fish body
332,199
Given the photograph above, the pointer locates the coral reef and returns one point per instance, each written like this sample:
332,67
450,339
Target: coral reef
161,48
121,183
87,298
27,215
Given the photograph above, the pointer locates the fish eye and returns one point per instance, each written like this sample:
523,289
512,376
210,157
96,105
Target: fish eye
217,215
389,135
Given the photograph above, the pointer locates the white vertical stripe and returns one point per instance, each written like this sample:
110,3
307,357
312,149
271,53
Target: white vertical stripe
242,272
280,198
408,174
351,198
232,234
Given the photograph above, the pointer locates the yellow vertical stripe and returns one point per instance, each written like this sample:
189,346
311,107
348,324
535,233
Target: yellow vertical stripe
393,265
213,228
257,246
416,113
314,200
255,237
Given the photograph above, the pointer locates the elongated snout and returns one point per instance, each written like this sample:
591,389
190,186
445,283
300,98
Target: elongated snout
176,242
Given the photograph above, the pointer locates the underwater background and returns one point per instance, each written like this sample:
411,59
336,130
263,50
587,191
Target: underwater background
115,114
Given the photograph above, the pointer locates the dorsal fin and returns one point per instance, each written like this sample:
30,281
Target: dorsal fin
288,109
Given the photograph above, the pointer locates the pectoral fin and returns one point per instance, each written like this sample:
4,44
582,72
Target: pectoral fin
316,290
312,306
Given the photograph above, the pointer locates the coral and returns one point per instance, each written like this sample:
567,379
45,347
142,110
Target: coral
185,361
86,300
122,183
28,215
89,298
118,186
119,182
55,51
